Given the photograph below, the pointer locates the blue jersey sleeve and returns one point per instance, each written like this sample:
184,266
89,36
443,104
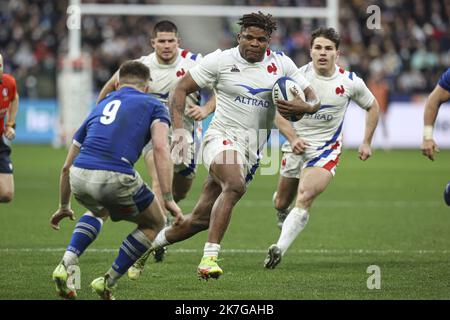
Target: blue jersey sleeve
160,113
444,81
80,135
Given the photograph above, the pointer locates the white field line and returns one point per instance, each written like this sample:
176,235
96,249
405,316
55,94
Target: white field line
246,251
342,204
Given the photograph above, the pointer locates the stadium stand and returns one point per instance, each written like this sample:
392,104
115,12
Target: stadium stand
412,48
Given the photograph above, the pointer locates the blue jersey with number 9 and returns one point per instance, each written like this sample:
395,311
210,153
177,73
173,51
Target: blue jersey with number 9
113,135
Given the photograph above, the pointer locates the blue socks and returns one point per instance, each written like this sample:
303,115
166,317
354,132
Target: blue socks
86,231
132,248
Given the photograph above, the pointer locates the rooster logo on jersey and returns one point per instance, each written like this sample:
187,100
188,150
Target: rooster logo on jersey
272,68
181,73
340,90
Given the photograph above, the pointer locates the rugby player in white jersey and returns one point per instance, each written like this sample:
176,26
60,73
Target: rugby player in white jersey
168,64
243,78
312,151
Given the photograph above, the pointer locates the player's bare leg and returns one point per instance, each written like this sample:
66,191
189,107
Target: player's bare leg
158,254
180,186
230,176
232,181
199,219
313,181
135,271
149,223
88,227
6,187
151,169
193,223
283,197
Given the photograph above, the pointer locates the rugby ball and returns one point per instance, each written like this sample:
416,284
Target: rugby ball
447,194
282,91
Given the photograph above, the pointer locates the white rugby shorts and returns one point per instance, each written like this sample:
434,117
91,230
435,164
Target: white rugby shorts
123,195
216,142
327,158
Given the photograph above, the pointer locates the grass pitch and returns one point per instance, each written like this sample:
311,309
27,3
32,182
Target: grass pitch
388,211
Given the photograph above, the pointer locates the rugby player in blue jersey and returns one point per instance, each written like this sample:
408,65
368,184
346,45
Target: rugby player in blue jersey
99,172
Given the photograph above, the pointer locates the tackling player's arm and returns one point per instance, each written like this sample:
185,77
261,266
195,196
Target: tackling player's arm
298,144
65,192
199,113
177,102
10,129
108,87
434,101
365,150
164,167
177,99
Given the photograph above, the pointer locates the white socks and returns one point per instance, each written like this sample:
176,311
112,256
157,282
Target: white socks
211,249
160,239
292,226
70,259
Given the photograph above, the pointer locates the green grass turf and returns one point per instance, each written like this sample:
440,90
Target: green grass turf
388,211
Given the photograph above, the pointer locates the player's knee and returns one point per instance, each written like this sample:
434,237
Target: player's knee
6,197
306,197
159,221
155,223
236,188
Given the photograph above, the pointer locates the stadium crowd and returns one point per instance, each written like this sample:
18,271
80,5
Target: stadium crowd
411,49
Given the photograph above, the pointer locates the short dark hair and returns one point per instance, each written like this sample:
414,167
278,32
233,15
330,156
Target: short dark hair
328,33
260,20
134,73
164,26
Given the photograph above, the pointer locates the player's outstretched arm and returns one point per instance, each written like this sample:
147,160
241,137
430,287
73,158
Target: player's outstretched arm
64,209
177,99
298,144
365,150
434,101
164,167
108,87
10,132
199,113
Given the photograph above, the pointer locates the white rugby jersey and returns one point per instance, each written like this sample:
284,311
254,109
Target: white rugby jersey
324,128
243,89
165,78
